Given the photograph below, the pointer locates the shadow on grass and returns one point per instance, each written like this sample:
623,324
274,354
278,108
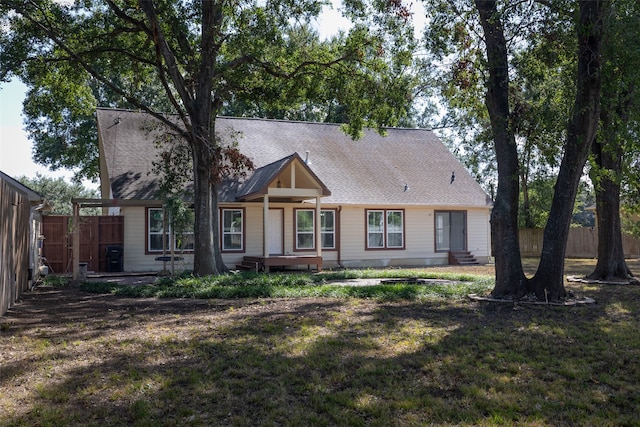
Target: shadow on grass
114,361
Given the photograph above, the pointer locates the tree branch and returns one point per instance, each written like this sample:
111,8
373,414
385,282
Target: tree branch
126,18
163,52
53,35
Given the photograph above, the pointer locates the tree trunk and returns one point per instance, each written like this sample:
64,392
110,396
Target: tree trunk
207,257
611,264
548,282
198,114
510,279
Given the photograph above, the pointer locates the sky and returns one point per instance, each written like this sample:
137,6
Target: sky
15,147
16,158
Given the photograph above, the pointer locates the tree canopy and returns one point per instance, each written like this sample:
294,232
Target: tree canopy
200,57
616,145
519,89
517,73
58,192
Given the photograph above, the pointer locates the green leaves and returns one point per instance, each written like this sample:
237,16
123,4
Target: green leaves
267,61
59,193
198,59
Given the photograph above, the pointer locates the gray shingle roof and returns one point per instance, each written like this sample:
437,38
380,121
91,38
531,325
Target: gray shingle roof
263,176
371,171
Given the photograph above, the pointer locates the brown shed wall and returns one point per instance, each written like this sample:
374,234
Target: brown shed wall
14,249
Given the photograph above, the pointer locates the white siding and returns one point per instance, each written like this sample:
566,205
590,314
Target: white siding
135,237
479,234
253,235
351,236
418,236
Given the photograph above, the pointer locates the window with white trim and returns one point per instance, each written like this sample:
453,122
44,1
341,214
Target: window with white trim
305,229
385,229
157,237
185,241
232,229
375,229
395,229
328,229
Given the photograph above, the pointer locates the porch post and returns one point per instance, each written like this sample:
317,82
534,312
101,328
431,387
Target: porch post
76,241
265,230
318,228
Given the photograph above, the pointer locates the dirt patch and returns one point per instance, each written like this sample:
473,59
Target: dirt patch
74,358
124,279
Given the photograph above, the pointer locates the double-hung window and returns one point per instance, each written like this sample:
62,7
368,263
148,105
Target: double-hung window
328,229
385,229
232,229
156,236
395,229
305,229
375,229
306,225
159,236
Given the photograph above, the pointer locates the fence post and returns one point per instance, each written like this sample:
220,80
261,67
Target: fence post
76,241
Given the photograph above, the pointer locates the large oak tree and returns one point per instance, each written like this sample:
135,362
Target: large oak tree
507,31
617,136
541,43
204,55
510,278
548,282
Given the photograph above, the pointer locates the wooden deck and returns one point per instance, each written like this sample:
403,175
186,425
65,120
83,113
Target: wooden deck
256,263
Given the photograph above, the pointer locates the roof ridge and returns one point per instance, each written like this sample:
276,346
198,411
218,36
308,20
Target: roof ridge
279,160
263,119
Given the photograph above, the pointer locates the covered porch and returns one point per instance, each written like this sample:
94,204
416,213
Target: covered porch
288,180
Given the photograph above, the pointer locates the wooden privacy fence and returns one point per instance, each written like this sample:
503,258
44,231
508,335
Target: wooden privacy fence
96,234
14,244
581,243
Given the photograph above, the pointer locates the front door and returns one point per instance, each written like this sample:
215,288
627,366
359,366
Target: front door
275,231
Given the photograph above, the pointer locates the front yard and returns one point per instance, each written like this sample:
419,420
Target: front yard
73,358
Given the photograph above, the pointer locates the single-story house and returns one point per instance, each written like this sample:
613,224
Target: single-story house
315,197
20,230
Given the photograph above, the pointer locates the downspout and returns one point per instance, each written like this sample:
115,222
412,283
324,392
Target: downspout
165,230
35,241
339,226
318,227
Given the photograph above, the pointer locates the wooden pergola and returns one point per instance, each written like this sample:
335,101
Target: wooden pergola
98,203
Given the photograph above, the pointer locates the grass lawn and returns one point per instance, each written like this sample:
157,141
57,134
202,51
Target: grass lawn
68,357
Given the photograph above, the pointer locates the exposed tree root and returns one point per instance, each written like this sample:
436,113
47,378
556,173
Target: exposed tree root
532,300
620,281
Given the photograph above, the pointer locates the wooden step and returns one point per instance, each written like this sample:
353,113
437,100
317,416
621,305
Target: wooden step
250,264
462,258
